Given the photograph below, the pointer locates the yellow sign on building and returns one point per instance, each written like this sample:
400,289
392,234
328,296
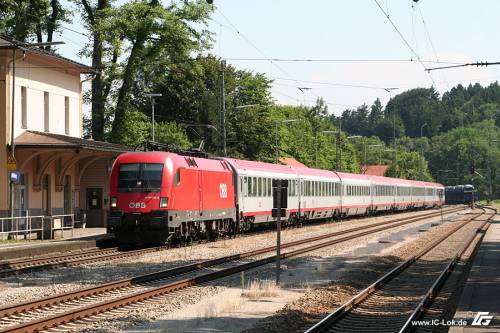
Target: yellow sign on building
11,163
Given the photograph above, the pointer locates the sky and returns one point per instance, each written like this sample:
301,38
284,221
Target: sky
357,30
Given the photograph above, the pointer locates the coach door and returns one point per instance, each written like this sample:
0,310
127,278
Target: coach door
95,214
243,193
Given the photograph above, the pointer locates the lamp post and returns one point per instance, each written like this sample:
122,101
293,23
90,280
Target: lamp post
395,171
337,162
15,45
389,91
303,90
338,150
152,97
377,145
422,150
277,122
357,137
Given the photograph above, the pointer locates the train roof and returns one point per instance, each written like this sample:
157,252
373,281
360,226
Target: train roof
174,161
260,166
222,164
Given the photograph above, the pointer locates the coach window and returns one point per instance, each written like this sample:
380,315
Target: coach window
259,187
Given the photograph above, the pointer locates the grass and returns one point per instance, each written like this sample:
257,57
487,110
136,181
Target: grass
494,203
223,304
257,289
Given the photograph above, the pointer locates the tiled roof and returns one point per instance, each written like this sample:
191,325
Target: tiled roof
290,161
38,140
9,42
374,170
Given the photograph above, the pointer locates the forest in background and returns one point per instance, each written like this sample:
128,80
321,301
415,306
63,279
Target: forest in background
139,47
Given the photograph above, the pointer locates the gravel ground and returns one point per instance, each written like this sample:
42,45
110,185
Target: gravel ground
315,304
44,283
300,274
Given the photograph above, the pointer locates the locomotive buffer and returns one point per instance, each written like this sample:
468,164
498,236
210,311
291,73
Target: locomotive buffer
280,203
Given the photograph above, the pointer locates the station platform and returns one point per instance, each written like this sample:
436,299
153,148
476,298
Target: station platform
80,239
481,292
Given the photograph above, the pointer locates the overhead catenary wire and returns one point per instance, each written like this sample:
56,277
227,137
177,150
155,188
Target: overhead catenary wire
428,34
478,64
404,39
239,33
340,60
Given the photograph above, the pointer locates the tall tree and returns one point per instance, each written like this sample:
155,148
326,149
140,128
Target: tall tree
94,13
32,20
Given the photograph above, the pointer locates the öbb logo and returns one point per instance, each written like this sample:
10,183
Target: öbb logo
223,191
137,205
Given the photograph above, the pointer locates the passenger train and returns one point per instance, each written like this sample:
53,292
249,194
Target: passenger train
158,196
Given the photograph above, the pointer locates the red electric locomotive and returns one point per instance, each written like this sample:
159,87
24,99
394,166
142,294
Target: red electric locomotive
160,195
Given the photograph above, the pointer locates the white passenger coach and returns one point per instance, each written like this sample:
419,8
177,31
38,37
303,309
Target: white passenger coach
318,194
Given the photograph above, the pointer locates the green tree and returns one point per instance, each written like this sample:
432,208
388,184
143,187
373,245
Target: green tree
32,20
468,155
410,165
172,135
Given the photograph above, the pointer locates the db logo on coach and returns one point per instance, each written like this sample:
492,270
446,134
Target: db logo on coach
137,205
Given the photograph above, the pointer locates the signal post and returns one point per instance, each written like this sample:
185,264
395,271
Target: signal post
280,203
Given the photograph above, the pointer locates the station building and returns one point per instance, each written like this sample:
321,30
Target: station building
46,167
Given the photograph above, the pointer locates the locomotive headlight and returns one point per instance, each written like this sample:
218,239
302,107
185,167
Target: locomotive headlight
113,202
163,202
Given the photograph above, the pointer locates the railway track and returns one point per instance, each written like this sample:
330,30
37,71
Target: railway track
402,295
72,306
20,266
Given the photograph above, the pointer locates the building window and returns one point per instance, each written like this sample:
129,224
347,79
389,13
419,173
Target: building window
66,115
46,111
24,110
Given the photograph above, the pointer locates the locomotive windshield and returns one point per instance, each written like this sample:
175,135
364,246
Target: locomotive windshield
140,177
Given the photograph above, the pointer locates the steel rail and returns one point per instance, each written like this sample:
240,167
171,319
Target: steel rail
56,299
78,259
433,291
22,262
49,262
94,309
331,319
